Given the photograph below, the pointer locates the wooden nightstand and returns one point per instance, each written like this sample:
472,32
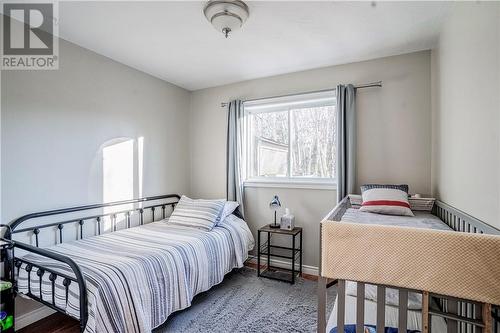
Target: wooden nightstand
282,252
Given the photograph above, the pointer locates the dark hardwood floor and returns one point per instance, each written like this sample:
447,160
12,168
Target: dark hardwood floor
56,323
59,323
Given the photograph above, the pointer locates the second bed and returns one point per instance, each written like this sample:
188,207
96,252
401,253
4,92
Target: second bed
422,219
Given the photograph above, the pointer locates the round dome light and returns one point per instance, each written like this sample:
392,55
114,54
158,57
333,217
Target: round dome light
226,15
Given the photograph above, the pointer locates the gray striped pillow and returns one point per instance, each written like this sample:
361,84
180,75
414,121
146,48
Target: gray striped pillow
402,187
201,214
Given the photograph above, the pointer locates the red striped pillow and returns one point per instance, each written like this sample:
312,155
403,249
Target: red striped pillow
386,201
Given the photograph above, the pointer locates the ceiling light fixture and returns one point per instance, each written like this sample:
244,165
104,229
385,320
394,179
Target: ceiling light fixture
226,15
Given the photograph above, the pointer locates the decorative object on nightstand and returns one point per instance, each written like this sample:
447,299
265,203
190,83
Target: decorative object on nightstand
287,220
292,254
6,285
274,206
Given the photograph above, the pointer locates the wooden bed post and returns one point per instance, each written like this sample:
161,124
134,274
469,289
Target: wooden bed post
322,281
322,304
425,312
488,325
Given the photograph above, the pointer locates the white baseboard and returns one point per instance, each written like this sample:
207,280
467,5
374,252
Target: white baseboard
312,270
32,316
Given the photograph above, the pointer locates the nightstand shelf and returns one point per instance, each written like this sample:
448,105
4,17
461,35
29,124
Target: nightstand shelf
279,251
269,251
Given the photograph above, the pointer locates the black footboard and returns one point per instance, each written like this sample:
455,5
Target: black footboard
120,215
40,271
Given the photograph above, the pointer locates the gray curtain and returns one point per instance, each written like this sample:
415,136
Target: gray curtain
235,154
346,140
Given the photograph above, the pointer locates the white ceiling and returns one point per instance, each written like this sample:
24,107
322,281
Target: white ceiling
174,42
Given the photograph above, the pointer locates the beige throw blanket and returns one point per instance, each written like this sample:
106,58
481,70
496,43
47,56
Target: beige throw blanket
461,265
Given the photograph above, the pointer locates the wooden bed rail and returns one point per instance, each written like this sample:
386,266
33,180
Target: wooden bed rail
336,213
462,316
461,221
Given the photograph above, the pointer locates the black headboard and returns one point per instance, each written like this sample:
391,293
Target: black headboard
135,210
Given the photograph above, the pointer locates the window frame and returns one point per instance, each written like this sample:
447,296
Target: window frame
277,104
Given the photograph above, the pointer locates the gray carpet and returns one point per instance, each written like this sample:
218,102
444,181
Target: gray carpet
245,303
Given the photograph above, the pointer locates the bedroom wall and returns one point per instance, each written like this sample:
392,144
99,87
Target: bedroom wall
466,111
55,124
394,140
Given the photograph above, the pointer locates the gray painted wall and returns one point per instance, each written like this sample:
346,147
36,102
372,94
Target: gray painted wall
55,124
394,141
466,111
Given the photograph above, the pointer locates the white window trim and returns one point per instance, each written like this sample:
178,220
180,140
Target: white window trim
310,183
252,107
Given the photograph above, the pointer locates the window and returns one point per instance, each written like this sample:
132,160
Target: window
292,139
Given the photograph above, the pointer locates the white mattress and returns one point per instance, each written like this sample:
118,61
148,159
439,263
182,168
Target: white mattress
420,220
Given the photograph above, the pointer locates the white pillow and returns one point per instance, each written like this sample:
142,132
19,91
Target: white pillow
229,208
416,204
243,226
200,213
388,201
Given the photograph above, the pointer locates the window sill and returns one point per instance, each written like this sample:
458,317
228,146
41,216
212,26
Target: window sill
311,185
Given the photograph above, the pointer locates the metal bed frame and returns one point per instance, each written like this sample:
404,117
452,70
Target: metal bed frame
156,203
462,316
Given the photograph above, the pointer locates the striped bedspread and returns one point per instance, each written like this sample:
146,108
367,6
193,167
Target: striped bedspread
137,277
